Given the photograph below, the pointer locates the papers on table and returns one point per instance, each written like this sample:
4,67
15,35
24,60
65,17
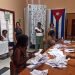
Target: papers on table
31,66
55,52
36,61
60,59
69,50
59,62
39,72
58,46
67,41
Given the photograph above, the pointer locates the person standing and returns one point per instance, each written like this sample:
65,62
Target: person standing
39,36
18,30
51,30
4,35
19,57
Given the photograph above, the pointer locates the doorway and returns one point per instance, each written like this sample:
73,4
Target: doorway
73,28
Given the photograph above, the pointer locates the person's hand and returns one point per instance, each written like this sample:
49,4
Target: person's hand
42,30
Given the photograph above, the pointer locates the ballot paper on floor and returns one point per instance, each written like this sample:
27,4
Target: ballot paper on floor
39,72
60,59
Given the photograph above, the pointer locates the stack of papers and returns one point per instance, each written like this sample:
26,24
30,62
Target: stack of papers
41,58
55,52
37,61
38,72
59,61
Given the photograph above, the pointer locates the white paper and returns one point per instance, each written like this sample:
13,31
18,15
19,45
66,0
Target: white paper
69,50
31,66
67,41
39,72
39,59
58,46
60,59
37,53
55,52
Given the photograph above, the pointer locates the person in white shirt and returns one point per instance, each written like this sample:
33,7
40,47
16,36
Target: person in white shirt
39,36
4,35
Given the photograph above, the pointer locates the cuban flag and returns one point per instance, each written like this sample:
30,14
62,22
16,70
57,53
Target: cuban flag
57,17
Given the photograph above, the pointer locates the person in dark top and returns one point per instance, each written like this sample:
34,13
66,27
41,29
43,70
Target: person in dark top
19,53
51,30
18,29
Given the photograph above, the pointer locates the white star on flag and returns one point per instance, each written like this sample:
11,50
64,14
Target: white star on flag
57,13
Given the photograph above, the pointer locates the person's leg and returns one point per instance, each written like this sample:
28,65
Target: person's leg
41,42
37,45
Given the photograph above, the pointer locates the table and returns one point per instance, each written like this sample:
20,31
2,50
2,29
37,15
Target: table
3,47
69,70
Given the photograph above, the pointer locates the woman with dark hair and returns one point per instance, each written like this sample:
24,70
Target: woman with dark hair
51,40
51,30
18,30
4,35
19,53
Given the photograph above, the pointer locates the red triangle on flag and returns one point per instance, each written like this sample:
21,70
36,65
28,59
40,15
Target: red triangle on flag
58,13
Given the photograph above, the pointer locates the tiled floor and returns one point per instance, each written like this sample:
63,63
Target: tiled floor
5,63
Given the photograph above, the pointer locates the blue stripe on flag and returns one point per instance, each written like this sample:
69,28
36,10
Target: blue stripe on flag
51,16
57,29
62,26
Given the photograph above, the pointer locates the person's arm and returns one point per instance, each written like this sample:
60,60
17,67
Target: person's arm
37,31
42,30
1,38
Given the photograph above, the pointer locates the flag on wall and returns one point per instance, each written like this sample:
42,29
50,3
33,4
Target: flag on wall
58,18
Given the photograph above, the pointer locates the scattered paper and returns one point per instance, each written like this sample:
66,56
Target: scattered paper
39,72
58,46
67,41
39,59
59,61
